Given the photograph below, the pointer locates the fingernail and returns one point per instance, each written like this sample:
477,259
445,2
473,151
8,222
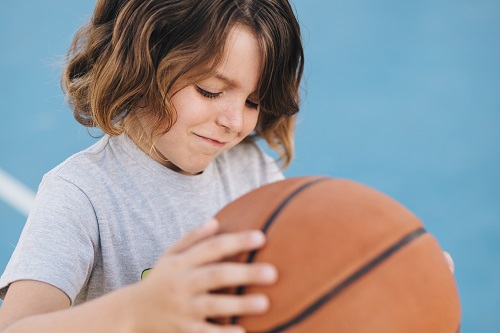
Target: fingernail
261,302
257,237
210,223
269,273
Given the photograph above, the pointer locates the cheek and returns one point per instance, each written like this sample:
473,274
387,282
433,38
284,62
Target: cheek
250,122
189,110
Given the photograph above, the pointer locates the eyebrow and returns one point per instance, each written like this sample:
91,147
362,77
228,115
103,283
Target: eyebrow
227,80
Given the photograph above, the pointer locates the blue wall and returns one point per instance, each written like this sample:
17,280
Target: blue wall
400,95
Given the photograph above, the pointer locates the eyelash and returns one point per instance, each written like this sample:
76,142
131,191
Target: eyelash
207,94
212,95
252,105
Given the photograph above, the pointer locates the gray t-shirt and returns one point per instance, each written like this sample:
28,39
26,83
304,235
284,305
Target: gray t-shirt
107,213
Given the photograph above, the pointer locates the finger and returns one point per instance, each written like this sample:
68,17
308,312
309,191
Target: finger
449,260
214,305
221,246
222,275
205,327
194,236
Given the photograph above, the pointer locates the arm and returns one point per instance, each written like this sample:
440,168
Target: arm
32,306
173,298
19,301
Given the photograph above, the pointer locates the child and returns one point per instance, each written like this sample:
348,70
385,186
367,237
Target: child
181,88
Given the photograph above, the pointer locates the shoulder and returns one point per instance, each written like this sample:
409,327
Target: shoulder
86,160
95,174
104,164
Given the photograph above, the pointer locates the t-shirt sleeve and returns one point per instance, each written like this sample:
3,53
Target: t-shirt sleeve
59,242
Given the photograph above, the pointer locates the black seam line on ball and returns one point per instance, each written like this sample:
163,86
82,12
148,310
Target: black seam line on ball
350,280
278,210
285,202
241,289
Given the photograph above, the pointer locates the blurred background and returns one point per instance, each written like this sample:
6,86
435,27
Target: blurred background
403,96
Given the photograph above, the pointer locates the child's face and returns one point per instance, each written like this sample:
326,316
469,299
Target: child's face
215,114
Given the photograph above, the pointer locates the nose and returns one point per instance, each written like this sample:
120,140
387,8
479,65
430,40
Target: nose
231,117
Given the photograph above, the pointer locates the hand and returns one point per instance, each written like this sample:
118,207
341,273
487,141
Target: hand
175,296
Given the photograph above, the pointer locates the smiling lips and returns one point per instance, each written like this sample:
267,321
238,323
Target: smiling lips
214,142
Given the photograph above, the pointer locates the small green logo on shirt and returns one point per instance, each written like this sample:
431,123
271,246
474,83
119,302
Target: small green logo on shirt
145,273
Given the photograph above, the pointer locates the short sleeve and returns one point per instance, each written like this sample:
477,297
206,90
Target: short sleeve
59,242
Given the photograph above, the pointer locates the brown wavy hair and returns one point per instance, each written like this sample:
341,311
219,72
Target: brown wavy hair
126,59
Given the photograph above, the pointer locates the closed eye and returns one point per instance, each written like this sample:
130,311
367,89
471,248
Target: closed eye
207,94
252,104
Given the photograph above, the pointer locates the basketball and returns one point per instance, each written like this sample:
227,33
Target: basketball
350,259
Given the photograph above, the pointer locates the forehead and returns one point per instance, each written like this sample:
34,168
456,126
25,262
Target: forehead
241,62
237,62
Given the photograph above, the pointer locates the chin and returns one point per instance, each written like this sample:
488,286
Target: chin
193,170
193,166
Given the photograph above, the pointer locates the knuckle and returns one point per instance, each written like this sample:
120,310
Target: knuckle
217,274
222,245
206,329
200,328
251,274
207,305
212,304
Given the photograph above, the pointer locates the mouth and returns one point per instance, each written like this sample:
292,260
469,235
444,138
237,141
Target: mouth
214,142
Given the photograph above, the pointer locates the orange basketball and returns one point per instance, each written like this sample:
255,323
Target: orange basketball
350,260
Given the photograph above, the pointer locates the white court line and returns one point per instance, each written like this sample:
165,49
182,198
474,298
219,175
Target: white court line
16,194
